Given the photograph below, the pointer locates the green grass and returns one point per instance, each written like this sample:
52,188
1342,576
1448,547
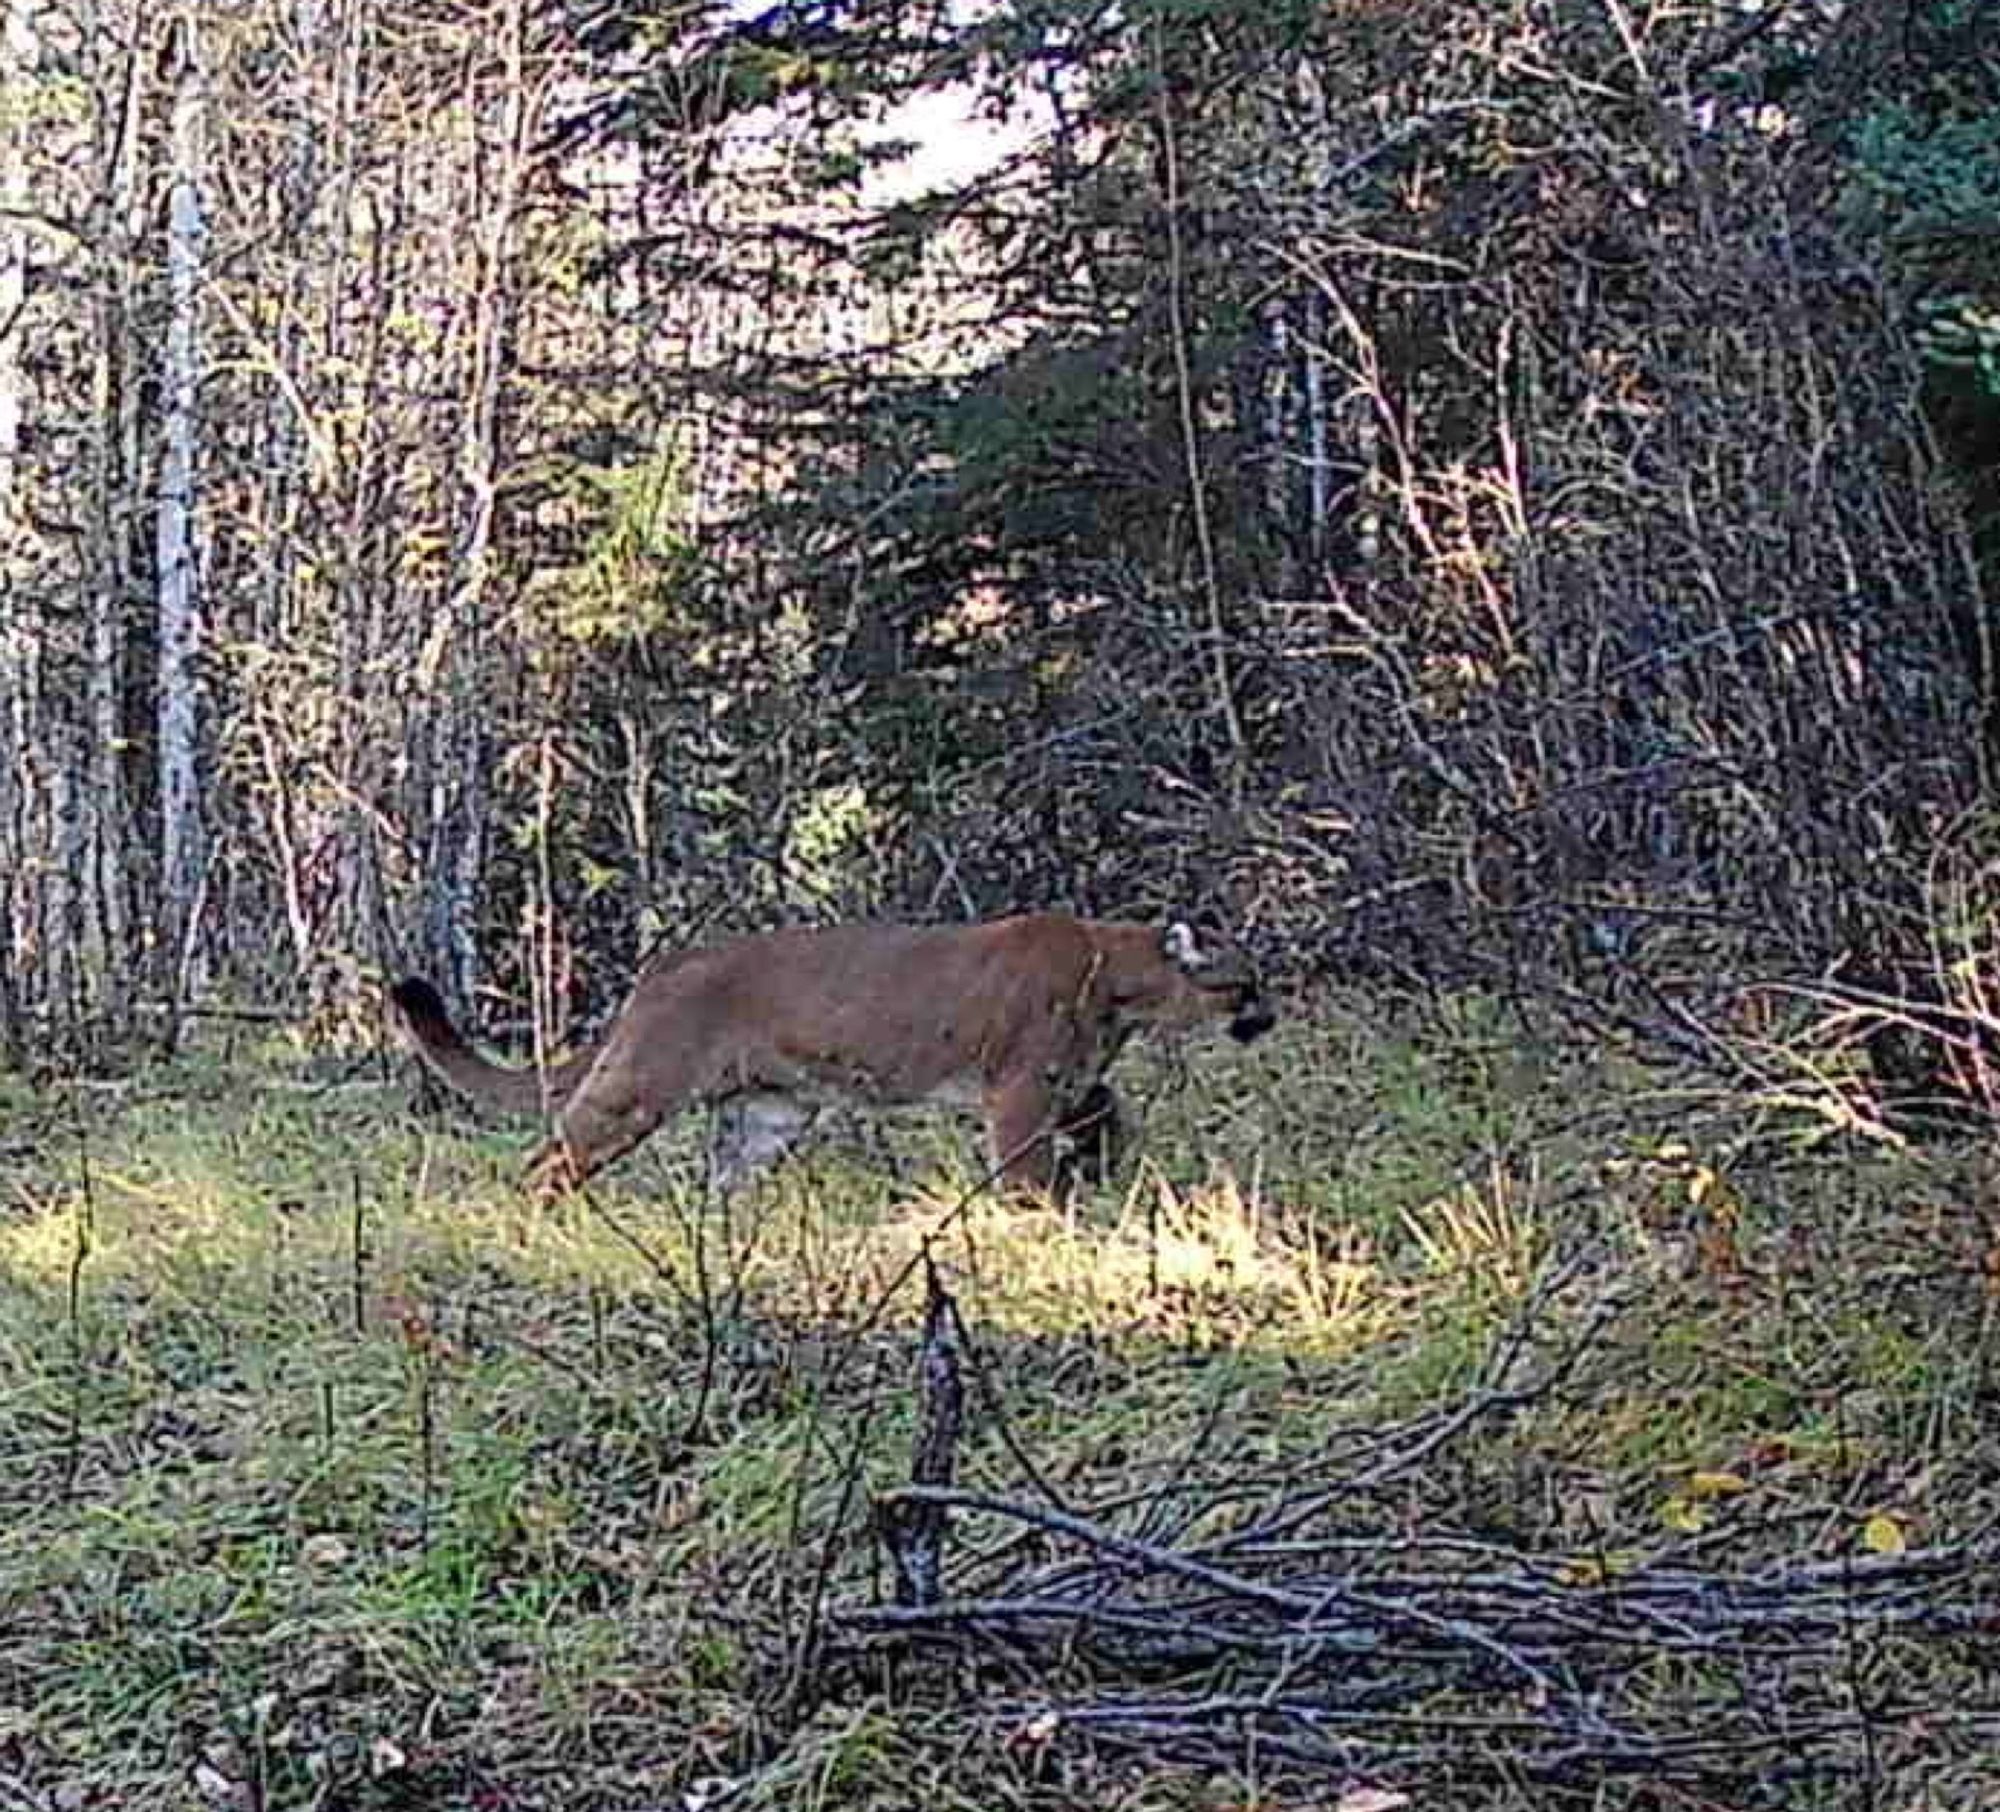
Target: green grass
333,1471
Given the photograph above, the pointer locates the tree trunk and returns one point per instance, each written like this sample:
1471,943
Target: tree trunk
17,65
462,743
182,863
119,226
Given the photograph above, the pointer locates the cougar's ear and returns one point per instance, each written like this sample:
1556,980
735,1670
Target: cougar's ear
1181,946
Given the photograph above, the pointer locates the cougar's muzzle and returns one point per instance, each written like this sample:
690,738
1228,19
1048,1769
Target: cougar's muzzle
1220,967
1252,1016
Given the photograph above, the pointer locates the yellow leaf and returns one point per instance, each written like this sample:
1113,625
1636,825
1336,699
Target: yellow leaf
1715,1484
1882,1534
1593,1569
1683,1514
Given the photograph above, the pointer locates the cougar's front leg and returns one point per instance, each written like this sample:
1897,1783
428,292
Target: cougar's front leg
1020,1126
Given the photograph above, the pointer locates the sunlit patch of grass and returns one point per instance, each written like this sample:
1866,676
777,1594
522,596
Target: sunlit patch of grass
1484,1236
1215,1261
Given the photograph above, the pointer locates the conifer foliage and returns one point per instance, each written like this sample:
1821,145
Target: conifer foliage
1467,487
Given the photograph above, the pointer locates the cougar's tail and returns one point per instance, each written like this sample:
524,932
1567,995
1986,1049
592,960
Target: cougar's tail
419,1014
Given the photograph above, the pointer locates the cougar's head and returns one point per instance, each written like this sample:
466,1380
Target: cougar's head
1224,974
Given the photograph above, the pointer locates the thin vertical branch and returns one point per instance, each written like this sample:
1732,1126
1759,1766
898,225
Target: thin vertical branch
913,1529
80,1249
1225,691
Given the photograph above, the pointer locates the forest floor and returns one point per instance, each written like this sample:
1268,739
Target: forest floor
1435,1415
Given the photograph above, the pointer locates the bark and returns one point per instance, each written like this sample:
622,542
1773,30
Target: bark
17,74
118,227
17,66
182,862
461,800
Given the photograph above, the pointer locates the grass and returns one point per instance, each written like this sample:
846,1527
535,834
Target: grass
333,1472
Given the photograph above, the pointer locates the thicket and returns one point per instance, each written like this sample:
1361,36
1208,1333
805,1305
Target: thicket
1481,490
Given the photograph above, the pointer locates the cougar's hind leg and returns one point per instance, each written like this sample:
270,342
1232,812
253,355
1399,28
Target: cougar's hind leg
601,1122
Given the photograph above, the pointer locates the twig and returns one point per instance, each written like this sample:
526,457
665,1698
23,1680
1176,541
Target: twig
912,1525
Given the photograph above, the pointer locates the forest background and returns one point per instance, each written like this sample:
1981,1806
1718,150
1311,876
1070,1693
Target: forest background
1499,500
1471,491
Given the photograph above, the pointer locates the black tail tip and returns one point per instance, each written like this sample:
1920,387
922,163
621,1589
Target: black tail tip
416,999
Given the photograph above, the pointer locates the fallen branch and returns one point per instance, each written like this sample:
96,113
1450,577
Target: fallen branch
1321,1629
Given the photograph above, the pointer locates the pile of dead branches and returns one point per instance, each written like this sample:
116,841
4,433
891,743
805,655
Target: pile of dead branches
1328,1622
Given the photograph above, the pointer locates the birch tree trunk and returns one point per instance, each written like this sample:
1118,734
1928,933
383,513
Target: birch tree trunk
17,66
40,812
117,385
182,864
17,74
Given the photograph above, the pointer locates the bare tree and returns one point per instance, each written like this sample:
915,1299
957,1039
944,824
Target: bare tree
117,287
17,63
182,862
460,817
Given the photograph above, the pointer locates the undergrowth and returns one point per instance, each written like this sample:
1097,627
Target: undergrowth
334,1472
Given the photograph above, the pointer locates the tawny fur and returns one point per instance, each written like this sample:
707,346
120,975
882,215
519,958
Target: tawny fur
1021,1015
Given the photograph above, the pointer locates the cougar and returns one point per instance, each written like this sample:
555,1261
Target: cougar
1020,1017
